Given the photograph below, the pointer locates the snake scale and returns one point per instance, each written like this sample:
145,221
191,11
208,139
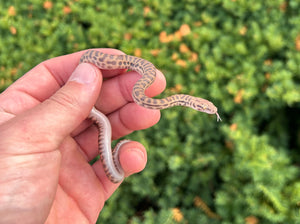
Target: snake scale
110,158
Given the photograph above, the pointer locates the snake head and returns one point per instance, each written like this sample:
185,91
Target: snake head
205,106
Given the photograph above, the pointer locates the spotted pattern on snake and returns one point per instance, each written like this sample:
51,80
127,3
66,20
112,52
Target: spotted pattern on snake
148,72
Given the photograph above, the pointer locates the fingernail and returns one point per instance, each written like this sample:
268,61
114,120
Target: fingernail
138,152
84,73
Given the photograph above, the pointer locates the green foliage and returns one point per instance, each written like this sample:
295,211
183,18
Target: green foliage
242,55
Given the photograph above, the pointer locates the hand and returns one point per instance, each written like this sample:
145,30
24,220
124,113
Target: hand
46,141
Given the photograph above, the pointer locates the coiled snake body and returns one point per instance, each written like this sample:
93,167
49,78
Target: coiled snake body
108,157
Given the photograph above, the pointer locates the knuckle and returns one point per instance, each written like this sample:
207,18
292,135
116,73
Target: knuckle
65,101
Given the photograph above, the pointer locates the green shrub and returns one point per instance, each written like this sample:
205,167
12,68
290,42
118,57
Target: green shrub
242,55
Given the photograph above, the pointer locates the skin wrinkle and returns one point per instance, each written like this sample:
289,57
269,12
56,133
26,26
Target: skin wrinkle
61,75
90,150
77,203
102,181
60,82
20,99
103,178
16,99
56,206
122,124
6,111
67,100
79,146
19,94
125,90
82,167
81,128
42,68
105,104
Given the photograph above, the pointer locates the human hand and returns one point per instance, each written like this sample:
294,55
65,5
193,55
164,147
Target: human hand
46,143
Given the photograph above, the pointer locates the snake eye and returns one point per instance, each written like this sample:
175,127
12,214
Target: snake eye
206,107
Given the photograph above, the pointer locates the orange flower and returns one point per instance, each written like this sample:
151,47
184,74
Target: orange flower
13,71
229,144
178,35
75,45
233,127
198,23
174,56
243,30
131,11
193,57
13,30
177,88
12,11
251,220
146,10
297,43
183,48
177,214
198,202
197,68
181,63
137,52
239,96
283,6
155,52
127,36
185,29
267,75
268,62
67,10
164,38
47,5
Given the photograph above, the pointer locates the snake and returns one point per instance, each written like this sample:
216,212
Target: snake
109,157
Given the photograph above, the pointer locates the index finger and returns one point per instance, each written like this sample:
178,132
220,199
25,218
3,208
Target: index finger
44,80
63,66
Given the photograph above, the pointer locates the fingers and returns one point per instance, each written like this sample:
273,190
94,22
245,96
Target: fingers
117,91
55,118
129,118
133,159
132,117
124,117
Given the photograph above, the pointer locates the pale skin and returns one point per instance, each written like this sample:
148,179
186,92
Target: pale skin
46,142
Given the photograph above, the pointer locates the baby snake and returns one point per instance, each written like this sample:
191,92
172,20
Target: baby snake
109,158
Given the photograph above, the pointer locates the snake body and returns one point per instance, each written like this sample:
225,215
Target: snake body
108,157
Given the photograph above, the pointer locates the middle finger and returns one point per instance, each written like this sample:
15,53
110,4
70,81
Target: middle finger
117,91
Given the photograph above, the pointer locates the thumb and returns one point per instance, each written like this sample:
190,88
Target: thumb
55,118
72,103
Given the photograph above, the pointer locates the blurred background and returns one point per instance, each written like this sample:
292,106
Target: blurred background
244,56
